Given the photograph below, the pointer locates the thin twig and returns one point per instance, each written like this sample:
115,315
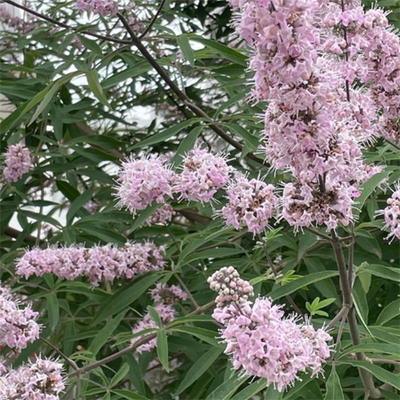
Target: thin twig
383,361
315,232
366,377
341,314
198,111
72,363
194,302
133,346
153,20
63,25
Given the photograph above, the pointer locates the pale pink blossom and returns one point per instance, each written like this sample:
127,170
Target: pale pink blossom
202,175
18,325
251,203
18,162
142,181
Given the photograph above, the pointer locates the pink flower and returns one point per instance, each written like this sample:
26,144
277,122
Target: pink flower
202,175
392,214
162,216
167,294
262,342
167,314
251,203
18,162
102,7
18,325
141,182
39,380
98,263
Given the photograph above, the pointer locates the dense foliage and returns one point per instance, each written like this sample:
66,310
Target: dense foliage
154,154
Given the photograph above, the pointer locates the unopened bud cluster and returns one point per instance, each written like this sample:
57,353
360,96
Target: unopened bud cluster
230,287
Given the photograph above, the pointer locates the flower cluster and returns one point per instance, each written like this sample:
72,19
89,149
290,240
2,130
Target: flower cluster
264,343
164,297
39,380
312,128
230,287
143,181
373,51
392,214
102,7
18,162
202,175
18,324
250,203
162,216
304,203
164,293
16,23
98,263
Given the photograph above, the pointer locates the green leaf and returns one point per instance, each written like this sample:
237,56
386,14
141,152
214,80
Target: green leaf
272,394
382,374
53,310
232,100
199,368
251,390
120,374
92,77
67,190
365,279
139,69
104,334
162,348
367,188
391,311
334,389
57,122
186,144
104,234
201,333
53,89
227,388
135,373
91,45
141,218
15,117
154,315
291,287
79,202
298,386
40,217
388,395
129,394
224,51
250,140
392,349
326,288
187,51
166,134
381,271
124,297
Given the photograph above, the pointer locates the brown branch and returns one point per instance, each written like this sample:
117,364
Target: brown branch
133,346
153,20
15,234
198,111
63,25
